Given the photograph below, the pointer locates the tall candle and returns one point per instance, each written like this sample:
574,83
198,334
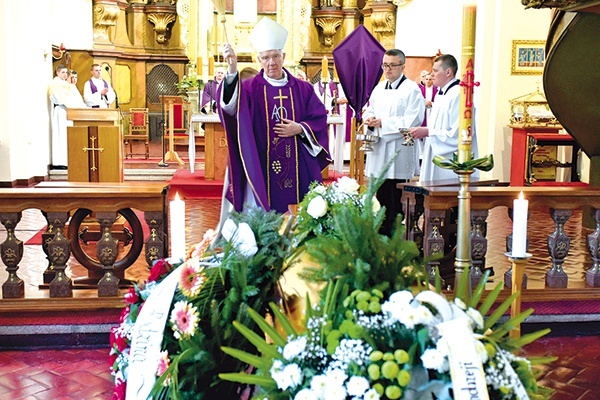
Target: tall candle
211,67
177,222
199,67
324,70
519,233
467,80
336,78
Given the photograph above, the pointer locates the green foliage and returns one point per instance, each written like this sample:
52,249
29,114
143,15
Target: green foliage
232,286
358,255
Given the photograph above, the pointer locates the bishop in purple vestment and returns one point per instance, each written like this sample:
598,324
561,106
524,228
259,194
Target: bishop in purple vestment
276,128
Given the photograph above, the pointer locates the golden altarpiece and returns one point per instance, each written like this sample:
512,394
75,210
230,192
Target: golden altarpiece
145,47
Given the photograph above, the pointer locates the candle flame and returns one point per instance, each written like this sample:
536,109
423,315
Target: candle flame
521,197
177,196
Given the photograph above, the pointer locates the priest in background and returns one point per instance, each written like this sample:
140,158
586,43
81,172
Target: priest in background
97,93
63,95
276,128
209,92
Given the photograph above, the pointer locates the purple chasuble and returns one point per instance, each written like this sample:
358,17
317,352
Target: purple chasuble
93,87
278,170
209,92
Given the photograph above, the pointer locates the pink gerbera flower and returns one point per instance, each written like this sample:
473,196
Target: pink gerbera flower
184,319
200,248
191,278
163,365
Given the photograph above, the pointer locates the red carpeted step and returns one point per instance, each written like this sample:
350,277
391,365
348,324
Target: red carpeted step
194,185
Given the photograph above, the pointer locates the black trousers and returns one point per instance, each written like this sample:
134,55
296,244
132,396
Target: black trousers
390,197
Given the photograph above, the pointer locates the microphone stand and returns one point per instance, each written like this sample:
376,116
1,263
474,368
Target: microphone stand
162,162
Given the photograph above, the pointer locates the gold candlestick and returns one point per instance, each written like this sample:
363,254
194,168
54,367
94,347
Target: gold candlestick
518,263
462,263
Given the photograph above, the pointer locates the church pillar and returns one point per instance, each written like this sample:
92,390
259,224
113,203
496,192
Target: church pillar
295,16
121,36
380,19
137,20
351,15
105,16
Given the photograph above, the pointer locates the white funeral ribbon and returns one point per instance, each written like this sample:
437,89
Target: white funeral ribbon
466,370
147,338
241,237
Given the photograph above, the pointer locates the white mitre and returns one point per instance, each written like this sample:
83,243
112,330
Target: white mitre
268,35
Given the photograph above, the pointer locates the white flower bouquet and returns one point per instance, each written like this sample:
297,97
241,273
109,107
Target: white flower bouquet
322,202
402,347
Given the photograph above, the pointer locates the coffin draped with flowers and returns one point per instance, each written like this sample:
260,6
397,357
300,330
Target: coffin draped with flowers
221,324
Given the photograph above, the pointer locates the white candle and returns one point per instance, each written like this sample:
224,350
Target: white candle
177,222
519,233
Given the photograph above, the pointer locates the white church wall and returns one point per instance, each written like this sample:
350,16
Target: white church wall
29,28
511,22
425,26
24,77
72,23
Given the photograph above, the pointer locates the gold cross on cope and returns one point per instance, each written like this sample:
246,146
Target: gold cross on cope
281,97
93,149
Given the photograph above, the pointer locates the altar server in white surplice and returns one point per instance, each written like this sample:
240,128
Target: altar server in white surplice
63,94
396,103
441,132
332,96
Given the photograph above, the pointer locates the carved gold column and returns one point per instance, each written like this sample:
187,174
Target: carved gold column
161,16
105,14
121,37
295,15
351,17
381,16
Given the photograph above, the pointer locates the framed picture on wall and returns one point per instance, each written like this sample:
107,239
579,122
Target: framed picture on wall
528,57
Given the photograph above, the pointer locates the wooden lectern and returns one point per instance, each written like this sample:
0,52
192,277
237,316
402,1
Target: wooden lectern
95,145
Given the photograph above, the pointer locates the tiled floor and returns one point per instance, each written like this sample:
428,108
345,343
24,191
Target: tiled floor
84,374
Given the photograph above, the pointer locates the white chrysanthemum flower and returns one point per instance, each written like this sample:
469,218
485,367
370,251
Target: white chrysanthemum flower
434,359
336,376
423,315
294,348
277,367
287,378
348,185
335,392
357,386
371,394
317,207
318,384
294,374
305,394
